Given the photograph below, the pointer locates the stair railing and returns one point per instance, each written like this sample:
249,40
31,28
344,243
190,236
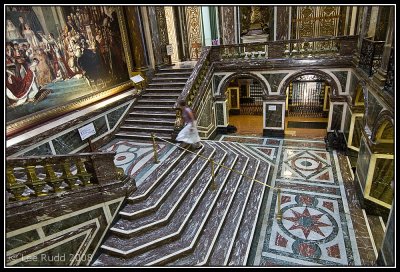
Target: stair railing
193,90
40,176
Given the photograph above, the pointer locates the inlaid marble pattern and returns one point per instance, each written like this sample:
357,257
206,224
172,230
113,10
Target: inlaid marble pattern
316,228
136,158
342,76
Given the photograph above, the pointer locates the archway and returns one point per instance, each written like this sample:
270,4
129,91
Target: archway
245,94
307,104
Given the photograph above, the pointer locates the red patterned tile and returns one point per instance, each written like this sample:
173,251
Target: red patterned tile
280,240
328,205
333,251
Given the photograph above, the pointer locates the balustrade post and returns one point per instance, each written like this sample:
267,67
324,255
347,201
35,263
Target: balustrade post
104,169
16,188
67,176
33,181
83,175
52,179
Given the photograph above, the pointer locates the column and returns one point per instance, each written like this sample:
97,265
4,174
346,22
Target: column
282,23
274,116
228,25
163,33
136,38
380,76
155,37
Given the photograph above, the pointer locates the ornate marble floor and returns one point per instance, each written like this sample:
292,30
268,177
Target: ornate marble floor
322,223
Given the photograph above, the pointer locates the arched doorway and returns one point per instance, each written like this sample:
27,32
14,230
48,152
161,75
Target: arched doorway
307,106
245,105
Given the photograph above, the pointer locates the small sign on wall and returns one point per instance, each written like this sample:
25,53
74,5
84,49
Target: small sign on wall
272,107
87,131
169,49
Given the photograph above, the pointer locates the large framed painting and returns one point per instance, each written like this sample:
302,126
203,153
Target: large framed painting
62,58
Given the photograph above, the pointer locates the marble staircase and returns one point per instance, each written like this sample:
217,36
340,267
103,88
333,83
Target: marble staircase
376,228
154,111
181,216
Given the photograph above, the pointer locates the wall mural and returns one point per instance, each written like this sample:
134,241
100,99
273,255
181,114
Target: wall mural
57,54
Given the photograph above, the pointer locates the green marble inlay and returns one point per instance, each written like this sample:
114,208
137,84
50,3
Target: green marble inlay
113,207
43,149
58,256
73,221
274,80
342,76
21,239
114,116
381,188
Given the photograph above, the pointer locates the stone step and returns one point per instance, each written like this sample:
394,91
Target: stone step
226,223
167,209
241,239
170,78
148,240
199,222
221,178
152,114
143,136
166,85
150,108
147,129
376,230
152,121
158,101
173,70
160,95
166,89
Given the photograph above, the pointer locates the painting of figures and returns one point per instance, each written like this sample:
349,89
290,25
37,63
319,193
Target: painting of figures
55,54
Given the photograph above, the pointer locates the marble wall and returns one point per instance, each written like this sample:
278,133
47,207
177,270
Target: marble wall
336,120
381,181
64,229
387,251
357,132
347,124
219,112
364,157
69,140
273,115
342,77
274,80
373,109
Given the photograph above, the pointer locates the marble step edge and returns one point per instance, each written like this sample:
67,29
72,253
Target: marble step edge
150,121
174,255
167,218
145,129
257,213
156,205
171,236
138,135
143,195
243,208
370,233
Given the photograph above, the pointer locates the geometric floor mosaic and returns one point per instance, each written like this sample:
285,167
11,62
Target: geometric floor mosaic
135,158
316,228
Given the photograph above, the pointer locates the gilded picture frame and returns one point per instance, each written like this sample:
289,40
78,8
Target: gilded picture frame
98,74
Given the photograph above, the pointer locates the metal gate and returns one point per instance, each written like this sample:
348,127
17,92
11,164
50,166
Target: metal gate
306,98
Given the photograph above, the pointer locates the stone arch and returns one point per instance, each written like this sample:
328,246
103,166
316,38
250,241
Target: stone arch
226,81
327,77
384,122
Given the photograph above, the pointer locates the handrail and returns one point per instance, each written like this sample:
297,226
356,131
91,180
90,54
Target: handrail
91,168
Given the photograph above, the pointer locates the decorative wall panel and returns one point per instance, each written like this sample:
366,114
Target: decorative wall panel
228,25
342,77
170,21
194,30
